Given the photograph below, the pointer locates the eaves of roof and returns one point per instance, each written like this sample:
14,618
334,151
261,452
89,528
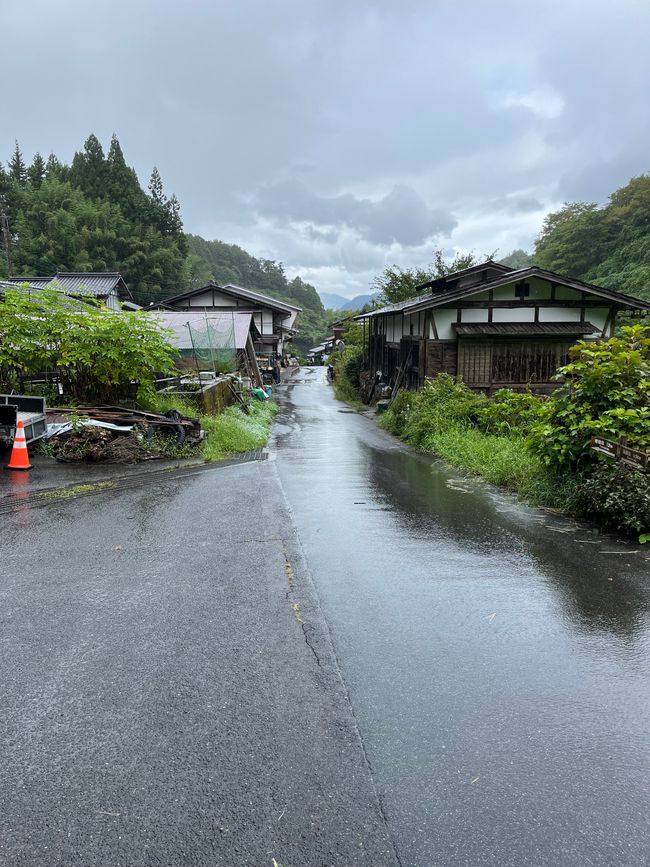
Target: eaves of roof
239,292
441,299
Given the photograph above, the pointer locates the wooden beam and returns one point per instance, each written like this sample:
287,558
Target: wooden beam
259,382
485,305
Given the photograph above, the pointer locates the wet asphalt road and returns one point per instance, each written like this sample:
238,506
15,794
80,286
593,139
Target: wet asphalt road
496,657
169,694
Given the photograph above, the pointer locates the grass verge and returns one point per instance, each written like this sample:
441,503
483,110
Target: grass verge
232,431
501,460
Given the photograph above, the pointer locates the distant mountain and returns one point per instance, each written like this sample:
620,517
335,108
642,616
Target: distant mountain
338,302
332,301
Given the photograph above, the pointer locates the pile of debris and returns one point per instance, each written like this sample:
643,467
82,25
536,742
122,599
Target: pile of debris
117,435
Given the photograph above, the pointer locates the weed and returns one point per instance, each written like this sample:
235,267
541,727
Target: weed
74,490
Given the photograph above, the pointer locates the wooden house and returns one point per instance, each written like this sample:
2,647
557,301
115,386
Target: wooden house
274,320
107,287
493,326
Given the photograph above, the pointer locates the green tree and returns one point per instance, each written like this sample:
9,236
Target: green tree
97,354
517,259
17,167
89,170
396,284
54,168
570,239
122,186
36,172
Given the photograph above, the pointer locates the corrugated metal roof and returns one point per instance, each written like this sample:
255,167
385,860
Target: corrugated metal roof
257,296
476,329
219,322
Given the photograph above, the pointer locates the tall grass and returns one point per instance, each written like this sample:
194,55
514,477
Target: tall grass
231,432
446,419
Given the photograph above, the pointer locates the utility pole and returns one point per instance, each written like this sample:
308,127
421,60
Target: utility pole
4,225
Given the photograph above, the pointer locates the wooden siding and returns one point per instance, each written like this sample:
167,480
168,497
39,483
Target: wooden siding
492,364
441,357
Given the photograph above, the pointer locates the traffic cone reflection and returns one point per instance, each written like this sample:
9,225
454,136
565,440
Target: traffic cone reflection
19,457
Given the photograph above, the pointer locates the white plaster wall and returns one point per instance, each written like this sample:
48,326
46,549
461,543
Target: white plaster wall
597,316
559,314
513,314
564,294
444,320
267,321
472,315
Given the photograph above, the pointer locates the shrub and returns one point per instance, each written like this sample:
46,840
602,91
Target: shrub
615,496
353,364
396,419
607,393
440,402
99,355
509,412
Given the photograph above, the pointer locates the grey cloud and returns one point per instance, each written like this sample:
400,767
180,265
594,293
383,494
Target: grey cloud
431,117
401,216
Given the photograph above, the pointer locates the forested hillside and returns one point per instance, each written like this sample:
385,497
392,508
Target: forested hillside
607,245
93,215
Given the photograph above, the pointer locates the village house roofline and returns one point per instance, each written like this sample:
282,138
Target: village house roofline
465,272
440,299
97,283
236,291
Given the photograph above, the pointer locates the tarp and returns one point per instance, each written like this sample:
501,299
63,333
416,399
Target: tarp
233,326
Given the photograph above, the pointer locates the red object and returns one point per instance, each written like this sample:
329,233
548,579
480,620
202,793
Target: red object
19,457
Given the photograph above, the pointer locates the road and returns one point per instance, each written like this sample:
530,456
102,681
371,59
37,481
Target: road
169,690
342,655
496,656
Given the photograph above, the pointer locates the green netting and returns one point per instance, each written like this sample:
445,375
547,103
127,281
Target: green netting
213,342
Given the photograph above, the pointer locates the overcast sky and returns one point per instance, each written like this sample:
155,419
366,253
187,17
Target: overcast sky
339,136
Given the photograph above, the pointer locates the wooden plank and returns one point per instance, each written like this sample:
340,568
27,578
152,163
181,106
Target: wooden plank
509,304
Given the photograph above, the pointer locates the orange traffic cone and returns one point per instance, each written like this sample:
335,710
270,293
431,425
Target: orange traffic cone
19,457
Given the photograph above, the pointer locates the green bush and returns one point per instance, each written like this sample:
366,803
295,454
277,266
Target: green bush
353,364
615,496
606,393
99,356
439,403
396,419
509,412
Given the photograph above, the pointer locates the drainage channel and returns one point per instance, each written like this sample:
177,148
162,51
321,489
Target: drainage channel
57,494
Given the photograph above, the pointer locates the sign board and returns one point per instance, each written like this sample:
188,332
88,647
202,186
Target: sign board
606,447
634,458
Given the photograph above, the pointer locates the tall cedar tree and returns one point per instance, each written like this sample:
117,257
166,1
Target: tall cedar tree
36,172
89,170
122,185
17,167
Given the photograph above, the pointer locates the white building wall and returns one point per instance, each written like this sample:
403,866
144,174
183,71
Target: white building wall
444,320
560,314
472,315
267,321
514,314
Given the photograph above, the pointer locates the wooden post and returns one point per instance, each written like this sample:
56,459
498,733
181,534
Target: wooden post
259,382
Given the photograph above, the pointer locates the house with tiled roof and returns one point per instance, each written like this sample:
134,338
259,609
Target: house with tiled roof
108,287
491,325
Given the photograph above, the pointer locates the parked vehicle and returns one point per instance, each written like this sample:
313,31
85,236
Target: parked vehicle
18,407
